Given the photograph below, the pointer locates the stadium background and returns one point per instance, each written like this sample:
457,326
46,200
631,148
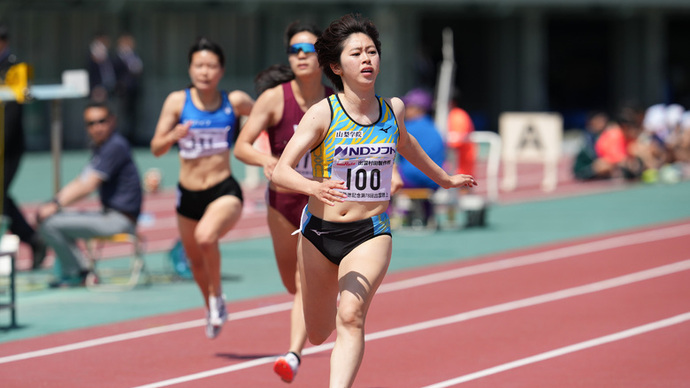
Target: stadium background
512,55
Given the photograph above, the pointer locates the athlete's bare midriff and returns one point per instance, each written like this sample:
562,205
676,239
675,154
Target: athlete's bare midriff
202,173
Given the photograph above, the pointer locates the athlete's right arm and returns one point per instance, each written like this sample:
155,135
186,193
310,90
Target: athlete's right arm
168,130
264,114
309,134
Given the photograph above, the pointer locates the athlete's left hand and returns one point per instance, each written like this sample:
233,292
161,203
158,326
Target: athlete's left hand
462,180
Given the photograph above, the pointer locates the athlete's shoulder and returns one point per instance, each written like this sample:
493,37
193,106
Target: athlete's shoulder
175,101
241,101
272,95
239,95
177,96
397,105
321,107
318,115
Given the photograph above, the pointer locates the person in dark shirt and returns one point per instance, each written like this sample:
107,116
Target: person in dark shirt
11,154
111,173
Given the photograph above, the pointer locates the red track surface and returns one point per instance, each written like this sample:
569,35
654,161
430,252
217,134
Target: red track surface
482,321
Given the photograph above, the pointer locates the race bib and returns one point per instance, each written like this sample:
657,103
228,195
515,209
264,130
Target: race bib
204,142
366,170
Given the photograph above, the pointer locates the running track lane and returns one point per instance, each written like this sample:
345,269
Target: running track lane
161,231
554,316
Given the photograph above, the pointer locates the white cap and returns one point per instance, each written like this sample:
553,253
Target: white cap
673,115
655,118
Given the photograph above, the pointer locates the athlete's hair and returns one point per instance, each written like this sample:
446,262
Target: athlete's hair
204,43
272,76
330,45
298,26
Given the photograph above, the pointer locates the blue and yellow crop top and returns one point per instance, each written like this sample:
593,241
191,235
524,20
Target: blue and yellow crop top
210,132
360,155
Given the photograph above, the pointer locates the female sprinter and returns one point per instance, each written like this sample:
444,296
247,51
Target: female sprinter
345,241
201,120
278,111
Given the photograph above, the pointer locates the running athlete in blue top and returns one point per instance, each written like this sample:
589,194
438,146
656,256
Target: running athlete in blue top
201,120
278,111
345,240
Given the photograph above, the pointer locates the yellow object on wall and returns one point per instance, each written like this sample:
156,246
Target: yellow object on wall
18,78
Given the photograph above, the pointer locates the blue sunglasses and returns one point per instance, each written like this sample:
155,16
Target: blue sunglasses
304,47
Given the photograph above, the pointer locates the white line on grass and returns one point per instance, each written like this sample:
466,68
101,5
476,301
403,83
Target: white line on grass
518,261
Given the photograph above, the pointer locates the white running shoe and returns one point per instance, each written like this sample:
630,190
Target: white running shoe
286,366
216,316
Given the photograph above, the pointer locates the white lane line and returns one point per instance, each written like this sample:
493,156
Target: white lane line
566,350
541,257
555,254
142,333
491,310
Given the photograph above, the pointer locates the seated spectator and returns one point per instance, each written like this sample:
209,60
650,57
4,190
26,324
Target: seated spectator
657,132
618,146
681,149
112,172
420,125
587,164
674,139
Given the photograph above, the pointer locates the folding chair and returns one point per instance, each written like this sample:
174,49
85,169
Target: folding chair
116,279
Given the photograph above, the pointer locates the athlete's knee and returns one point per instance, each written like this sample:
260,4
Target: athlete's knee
350,316
206,239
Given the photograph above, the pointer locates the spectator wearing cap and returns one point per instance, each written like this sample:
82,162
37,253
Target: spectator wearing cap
418,103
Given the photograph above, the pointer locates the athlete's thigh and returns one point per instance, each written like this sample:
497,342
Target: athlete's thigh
220,216
362,270
319,279
284,247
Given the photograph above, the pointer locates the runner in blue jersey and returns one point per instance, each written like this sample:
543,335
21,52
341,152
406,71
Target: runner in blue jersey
345,243
201,121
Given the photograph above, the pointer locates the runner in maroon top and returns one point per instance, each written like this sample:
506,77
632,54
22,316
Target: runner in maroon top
278,111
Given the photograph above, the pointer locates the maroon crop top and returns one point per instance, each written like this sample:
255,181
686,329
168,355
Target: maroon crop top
280,134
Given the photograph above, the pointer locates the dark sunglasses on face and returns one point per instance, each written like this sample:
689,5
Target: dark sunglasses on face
101,121
305,47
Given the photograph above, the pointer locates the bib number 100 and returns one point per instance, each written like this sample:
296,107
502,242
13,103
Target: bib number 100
362,177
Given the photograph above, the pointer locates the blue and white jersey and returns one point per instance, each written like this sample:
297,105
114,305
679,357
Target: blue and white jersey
210,132
360,155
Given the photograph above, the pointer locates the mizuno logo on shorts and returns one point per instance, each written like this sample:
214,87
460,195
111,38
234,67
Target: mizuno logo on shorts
318,233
